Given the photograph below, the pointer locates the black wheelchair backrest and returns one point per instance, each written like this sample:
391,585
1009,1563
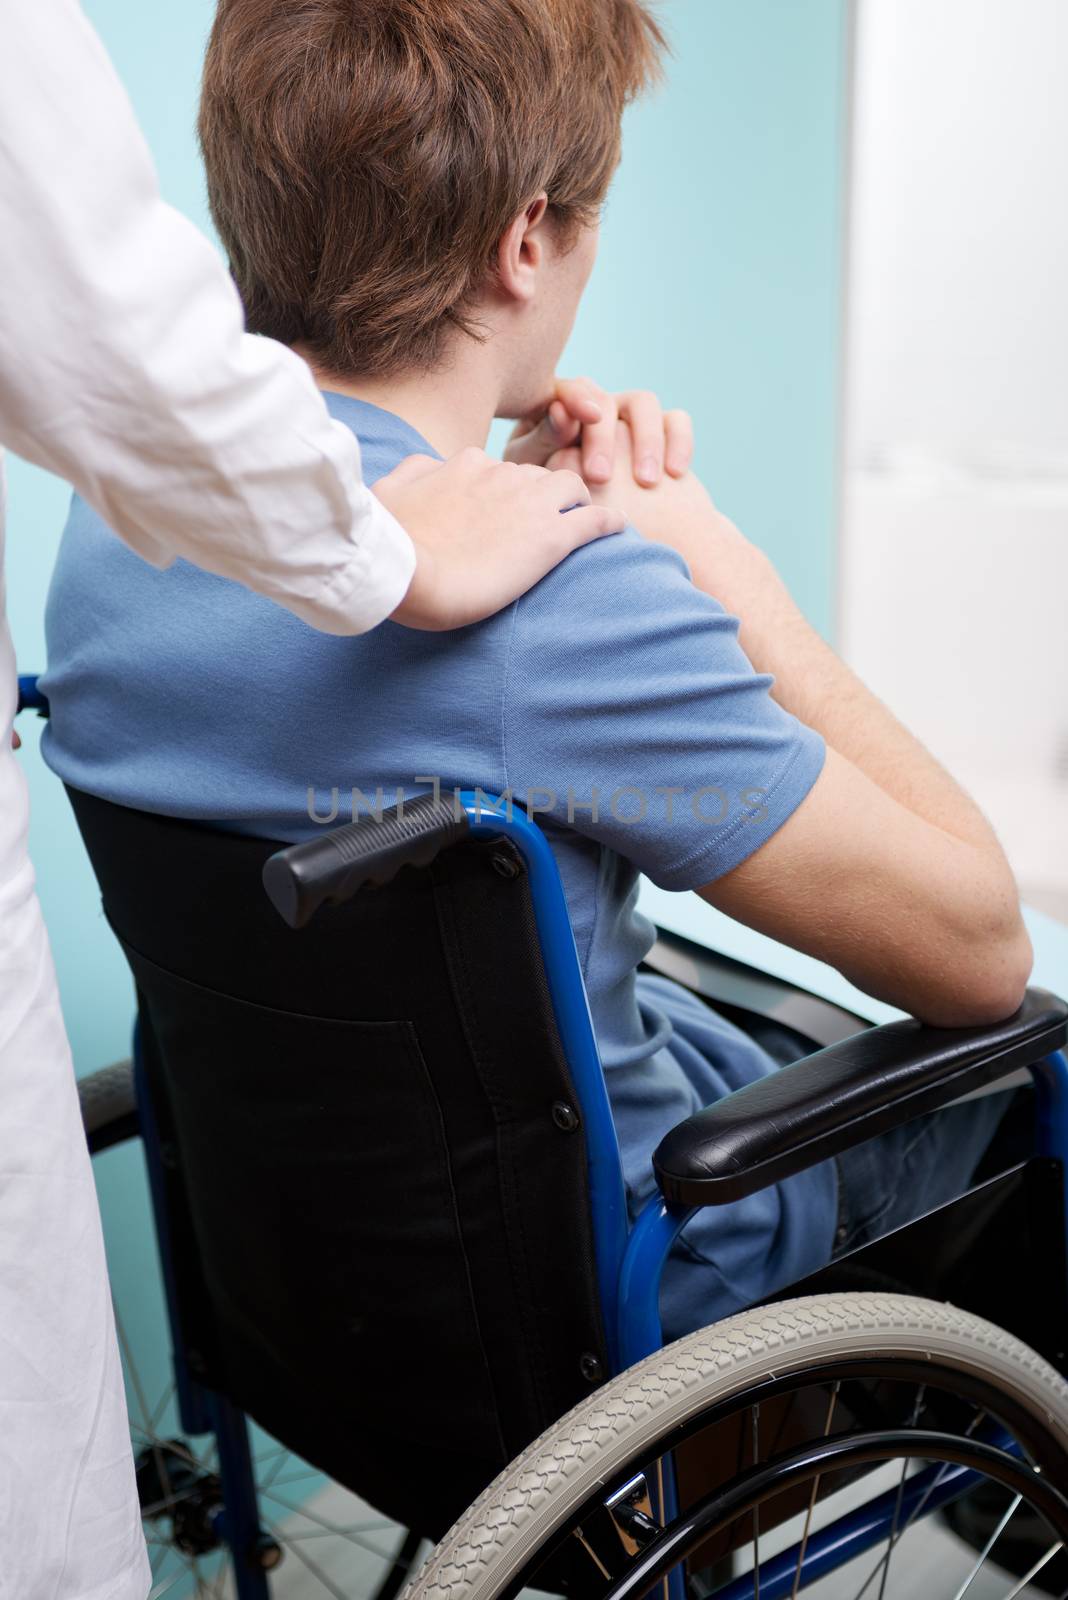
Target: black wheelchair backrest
376,1192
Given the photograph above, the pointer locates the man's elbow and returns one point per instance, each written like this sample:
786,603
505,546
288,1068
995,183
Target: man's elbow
990,980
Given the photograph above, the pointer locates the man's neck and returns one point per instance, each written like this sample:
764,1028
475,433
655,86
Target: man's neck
452,407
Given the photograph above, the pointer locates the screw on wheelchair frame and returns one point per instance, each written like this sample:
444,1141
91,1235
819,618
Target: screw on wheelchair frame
590,1367
268,1553
505,866
565,1116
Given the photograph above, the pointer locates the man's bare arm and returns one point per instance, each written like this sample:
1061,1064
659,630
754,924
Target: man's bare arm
887,869
908,911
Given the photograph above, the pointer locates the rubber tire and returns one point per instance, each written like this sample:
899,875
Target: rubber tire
519,1512
109,1107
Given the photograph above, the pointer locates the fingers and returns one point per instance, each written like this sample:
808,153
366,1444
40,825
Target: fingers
566,427
566,489
643,412
580,410
527,442
569,460
585,523
485,531
598,441
678,443
583,413
583,408
580,398
570,493
533,440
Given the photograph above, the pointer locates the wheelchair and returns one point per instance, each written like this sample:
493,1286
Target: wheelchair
387,1196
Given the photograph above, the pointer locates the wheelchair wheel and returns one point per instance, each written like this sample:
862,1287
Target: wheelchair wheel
331,1543
850,1419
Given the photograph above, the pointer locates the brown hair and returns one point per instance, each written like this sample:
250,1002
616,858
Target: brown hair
365,156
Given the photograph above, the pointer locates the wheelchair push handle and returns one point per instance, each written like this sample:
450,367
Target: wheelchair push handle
30,696
372,850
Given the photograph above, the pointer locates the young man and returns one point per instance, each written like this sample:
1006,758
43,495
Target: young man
409,195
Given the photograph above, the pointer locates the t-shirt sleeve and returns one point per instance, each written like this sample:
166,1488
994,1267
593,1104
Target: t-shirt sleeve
631,713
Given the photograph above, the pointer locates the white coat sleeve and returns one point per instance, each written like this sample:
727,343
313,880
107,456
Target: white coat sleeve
124,366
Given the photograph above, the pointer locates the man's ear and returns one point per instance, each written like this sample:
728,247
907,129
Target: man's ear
522,250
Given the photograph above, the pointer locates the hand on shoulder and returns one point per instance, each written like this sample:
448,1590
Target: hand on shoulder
485,532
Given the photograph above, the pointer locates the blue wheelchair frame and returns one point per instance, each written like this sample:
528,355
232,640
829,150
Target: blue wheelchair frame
630,1263
629,1260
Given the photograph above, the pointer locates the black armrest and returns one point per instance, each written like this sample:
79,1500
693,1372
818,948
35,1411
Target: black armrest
841,1096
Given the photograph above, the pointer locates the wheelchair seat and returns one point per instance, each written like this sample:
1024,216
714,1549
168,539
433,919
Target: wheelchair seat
348,1120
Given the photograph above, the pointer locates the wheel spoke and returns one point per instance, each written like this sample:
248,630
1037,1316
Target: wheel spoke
351,1535
914,1417
208,1588
158,1590
755,1412
299,1477
187,1568
155,1561
1035,1570
313,1566
177,1447
164,1401
132,1372
917,1511
990,1543
831,1404
279,1463
328,1527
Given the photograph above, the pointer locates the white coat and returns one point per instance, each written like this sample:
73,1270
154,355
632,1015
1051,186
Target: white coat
124,368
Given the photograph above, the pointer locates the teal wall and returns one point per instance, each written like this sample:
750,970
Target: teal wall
718,286
719,278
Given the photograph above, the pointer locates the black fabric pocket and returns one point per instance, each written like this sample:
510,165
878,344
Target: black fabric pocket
331,1302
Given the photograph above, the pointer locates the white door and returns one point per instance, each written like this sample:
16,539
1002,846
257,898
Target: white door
954,571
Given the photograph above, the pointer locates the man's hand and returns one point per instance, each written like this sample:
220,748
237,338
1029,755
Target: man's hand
484,532
678,511
580,413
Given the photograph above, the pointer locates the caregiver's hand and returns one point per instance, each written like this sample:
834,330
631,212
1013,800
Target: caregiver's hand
582,415
485,532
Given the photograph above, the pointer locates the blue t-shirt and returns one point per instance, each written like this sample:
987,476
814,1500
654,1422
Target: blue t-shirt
613,700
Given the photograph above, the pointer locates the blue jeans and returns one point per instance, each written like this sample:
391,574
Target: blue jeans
881,1184
900,1175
